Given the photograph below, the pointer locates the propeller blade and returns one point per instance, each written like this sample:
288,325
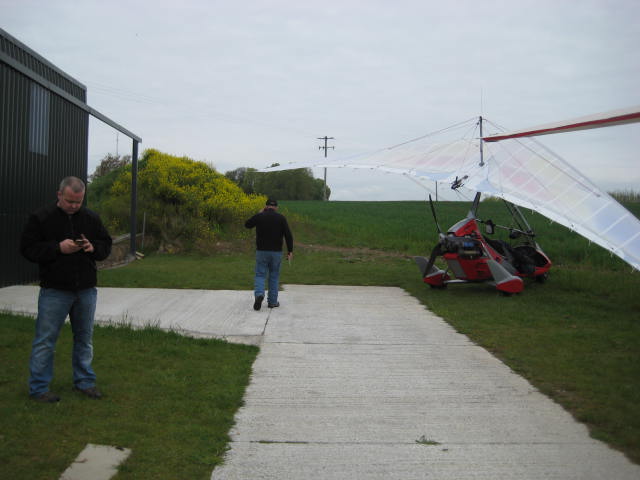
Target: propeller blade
435,218
437,250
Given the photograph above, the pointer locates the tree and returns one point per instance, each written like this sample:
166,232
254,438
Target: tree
296,184
109,164
100,182
243,177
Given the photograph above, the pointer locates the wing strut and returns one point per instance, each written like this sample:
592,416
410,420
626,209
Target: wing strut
598,120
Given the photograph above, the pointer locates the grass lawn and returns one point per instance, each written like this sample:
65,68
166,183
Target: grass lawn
169,398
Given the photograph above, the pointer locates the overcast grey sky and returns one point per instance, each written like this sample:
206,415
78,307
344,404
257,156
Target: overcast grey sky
249,83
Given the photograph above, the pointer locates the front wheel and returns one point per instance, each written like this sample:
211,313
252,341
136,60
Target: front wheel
542,278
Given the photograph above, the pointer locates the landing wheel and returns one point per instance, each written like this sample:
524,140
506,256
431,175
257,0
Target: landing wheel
542,278
439,287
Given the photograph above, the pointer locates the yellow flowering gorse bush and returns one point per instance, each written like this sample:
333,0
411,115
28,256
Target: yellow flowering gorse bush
185,201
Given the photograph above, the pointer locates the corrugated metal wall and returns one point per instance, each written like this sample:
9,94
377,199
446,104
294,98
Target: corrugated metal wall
43,138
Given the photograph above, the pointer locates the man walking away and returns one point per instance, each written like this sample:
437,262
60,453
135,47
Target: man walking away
65,239
271,228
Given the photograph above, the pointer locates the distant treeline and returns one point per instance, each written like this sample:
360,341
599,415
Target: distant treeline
296,184
626,196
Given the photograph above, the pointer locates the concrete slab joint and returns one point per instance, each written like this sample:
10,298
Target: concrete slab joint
96,462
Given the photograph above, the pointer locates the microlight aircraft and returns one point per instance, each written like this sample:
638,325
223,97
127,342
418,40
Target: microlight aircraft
516,167
473,257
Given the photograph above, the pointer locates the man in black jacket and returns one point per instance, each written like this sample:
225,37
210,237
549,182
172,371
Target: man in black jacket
271,227
65,239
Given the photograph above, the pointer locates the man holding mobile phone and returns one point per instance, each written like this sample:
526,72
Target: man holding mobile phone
65,239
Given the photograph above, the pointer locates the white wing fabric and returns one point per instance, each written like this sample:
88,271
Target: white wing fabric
438,162
524,172
521,171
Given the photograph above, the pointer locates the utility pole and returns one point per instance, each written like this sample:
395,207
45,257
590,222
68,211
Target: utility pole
325,138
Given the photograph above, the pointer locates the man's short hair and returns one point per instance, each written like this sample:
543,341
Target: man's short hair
74,183
272,202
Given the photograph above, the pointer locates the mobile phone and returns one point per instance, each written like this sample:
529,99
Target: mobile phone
79,242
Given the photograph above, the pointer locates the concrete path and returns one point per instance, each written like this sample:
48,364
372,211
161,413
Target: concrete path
365,383
223,314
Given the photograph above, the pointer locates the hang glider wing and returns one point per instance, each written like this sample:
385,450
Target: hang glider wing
526,173
520,170
605,119
437,162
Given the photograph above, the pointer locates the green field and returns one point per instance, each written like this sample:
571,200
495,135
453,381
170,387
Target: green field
408,227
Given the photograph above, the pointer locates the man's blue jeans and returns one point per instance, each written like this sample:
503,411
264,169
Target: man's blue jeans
267,265
53,307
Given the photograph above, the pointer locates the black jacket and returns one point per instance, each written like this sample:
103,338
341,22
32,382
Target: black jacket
271,227
39,243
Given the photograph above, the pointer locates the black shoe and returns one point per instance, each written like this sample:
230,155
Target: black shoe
258,303
46,397
91,392
273,305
